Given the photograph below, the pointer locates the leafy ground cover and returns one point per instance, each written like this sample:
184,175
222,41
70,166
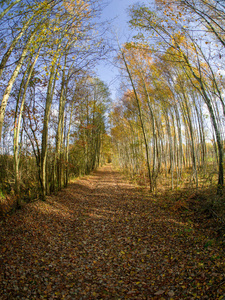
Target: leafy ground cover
103,238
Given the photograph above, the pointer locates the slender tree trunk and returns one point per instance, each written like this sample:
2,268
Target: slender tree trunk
18,125
141,120
7,9
49,97
13,44
180,153
59,134
170,147
12,80
207,100
154,173
190,126
175,149
68,141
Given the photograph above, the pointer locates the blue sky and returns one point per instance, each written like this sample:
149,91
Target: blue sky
116,10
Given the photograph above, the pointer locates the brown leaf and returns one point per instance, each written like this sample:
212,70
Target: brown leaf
160,292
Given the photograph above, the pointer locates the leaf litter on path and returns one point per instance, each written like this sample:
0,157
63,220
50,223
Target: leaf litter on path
102,238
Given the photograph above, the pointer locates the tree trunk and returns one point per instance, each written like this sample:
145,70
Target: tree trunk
12,80
141,121
7,9
18,125
49,97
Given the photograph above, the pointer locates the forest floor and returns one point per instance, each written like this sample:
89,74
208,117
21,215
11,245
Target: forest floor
104,238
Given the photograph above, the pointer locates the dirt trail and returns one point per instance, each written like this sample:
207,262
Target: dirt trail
103,238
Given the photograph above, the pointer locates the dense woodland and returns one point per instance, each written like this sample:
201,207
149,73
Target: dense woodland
106,198
57,120
52,123
173,111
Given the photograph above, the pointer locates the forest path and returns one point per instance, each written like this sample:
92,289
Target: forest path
102,238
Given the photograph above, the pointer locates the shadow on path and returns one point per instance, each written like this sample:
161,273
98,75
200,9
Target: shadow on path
102,239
